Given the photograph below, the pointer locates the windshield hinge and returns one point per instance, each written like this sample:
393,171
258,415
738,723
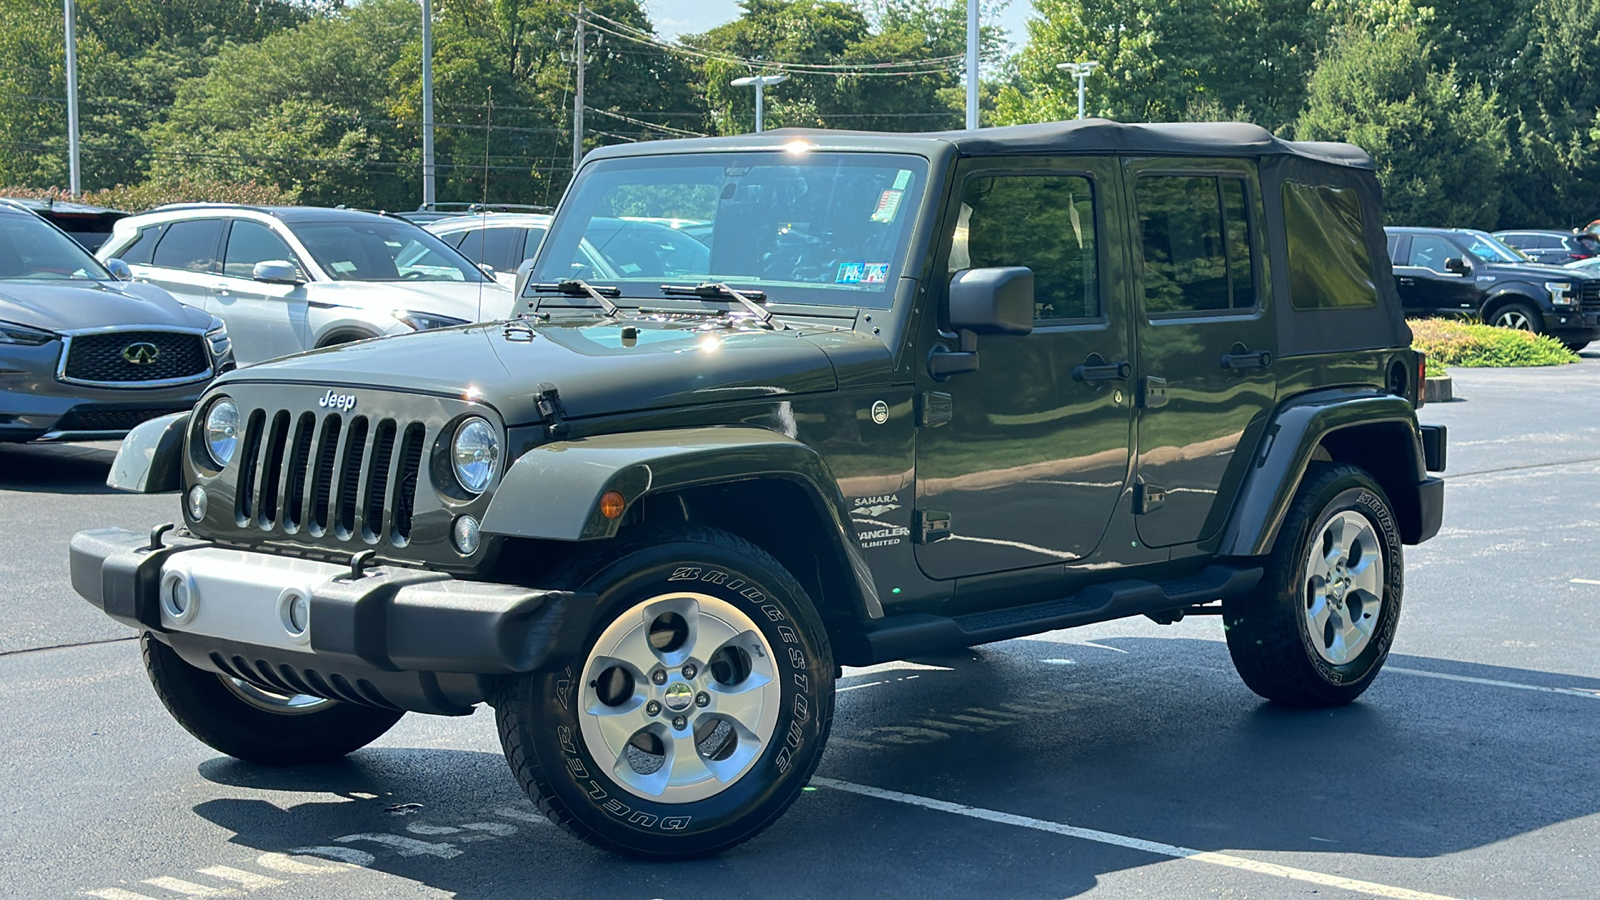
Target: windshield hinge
548,400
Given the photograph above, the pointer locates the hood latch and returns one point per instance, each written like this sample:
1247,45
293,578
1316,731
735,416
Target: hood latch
551,410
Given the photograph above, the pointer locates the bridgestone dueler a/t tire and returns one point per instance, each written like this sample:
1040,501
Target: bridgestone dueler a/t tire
543,739
1267,631
219,717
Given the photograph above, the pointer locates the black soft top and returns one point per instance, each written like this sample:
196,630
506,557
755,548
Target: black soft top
1074,136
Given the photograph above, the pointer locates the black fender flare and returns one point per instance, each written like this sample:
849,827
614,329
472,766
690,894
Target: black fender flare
1509,294
150,460
553,491
1290,443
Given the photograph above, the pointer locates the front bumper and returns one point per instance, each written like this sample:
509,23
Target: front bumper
36,406
393,637
1572,324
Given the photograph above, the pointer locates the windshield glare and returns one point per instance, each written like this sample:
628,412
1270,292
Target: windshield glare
30,248
383,250
817,227
1489,249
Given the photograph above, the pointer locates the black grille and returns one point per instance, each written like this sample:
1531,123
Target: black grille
92,419
1589,291
329,475
132,357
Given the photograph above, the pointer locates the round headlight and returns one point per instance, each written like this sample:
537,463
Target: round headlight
222,431
474,454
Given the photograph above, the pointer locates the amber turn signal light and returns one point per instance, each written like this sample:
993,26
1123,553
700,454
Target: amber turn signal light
612,504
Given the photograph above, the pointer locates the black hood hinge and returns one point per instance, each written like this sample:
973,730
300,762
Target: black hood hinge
551,410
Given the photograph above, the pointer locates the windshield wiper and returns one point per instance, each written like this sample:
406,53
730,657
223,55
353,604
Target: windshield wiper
717,290
577,287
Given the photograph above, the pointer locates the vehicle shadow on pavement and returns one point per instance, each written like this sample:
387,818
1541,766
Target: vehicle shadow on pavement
1147,738
55,469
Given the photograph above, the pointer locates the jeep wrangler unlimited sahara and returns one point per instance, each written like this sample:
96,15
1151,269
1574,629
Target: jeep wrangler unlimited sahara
861,397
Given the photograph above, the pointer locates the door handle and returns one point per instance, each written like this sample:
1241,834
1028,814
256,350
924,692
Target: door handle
1095,368
1259,359
1407,280
219,289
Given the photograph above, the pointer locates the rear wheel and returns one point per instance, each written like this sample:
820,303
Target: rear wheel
1575,346
1317,629
257,725
696,712
1518,317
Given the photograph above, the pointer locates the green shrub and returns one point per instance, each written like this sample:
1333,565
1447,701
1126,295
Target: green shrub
140,197
1451,342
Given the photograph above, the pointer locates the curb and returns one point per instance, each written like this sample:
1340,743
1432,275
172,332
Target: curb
1438,389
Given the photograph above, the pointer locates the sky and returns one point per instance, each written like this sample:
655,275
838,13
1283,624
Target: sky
675,17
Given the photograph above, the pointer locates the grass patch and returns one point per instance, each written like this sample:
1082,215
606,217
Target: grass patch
1452,342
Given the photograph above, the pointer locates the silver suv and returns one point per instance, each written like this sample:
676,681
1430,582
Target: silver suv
289,279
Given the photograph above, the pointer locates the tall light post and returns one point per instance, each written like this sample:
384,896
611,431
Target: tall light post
75,181
428,171
972,65
1080,71
760,82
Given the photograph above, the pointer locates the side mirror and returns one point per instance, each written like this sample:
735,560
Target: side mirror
486,269
983,301
1458,266
276,271
119,269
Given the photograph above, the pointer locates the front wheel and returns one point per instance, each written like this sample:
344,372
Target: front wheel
1317,629
256,725
1518,317
695,712
1575,346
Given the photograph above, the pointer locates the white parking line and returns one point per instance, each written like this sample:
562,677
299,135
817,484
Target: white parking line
1584,581
1132,843
1591,693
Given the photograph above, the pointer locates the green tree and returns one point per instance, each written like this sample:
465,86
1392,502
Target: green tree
1440,147
1553,94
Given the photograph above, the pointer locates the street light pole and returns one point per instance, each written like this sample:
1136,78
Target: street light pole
760,82
75,181
429,173
972,65
577,94
1080,71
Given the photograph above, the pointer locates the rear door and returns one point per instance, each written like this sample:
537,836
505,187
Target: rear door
1434,289
1207,337
264,320
184,261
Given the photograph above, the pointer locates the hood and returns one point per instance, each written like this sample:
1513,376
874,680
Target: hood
1540,271
66,305
599,367
457,299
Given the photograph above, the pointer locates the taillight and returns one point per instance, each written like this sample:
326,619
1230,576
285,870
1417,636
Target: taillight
1422,381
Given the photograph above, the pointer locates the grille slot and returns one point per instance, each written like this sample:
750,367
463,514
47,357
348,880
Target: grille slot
1589,294
107,419
358,479
132,358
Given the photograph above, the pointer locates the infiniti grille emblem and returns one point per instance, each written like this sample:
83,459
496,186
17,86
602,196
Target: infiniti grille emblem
142,353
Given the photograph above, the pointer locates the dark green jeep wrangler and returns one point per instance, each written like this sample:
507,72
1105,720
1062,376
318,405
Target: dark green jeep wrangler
775,404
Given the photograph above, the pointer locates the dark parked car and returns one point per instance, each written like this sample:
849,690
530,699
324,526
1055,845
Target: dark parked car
1460,272
1556,248
86,224
648,518
85,355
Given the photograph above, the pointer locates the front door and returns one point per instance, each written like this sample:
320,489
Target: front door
1425,284
1206,339
1025,457
264,320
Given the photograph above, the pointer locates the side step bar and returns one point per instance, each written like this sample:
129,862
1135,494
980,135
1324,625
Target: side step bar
898,637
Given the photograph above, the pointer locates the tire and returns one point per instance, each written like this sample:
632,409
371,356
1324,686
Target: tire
600,747
1575,346
1518,317
1292,639
255,725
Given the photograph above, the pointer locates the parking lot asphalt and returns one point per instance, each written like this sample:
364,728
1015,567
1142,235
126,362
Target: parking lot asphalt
1121,760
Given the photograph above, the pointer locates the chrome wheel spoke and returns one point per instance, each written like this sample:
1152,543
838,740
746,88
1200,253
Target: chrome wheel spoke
1367,575
744,702
684,760
618,724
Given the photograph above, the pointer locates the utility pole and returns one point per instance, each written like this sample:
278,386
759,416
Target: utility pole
760,82
972,65
577,97
74,175
429,197
1080,71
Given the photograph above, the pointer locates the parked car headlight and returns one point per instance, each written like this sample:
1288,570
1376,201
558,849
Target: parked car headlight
475,454
421,321
222,431
21,334
217,337
1562,293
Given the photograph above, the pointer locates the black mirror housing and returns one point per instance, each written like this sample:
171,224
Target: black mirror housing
992,301
1457,265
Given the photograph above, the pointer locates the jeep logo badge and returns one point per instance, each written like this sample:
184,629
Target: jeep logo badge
880,412
142,353
341,402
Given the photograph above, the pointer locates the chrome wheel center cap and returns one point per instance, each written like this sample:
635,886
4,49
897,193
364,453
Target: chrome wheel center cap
678,697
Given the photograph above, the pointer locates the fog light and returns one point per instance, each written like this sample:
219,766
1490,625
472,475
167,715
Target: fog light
197,503
179,599
612,504
294,612
465,533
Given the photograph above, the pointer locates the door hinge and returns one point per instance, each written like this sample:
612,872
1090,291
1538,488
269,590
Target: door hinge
1153,392
930,525
1148,498
935,408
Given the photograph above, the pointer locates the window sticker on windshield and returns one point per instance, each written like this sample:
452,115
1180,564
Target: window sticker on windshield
343,267
875,273
888,206
902,180
849,273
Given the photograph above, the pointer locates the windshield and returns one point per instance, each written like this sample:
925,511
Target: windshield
1489,249
30,248
383,250
818,227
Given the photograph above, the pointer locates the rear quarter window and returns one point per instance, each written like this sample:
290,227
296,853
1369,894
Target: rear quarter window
139,250
1329,266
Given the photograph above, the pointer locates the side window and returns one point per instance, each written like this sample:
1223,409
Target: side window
1431,252
530,247
144,244
250,243
495,246
1195,234
1044,222
1329,267
190,246
1394,246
